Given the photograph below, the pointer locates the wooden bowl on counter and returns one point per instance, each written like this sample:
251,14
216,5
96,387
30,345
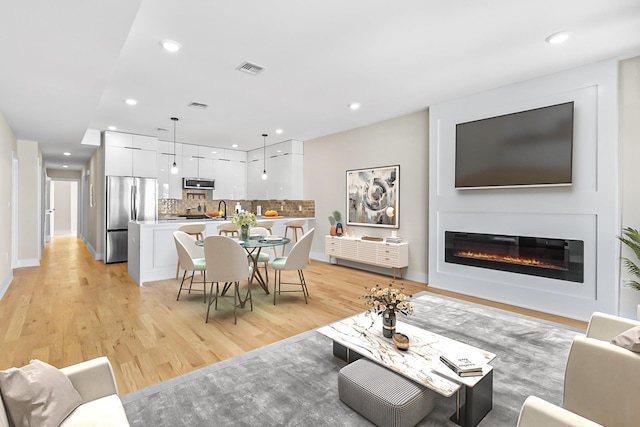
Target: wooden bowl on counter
401,341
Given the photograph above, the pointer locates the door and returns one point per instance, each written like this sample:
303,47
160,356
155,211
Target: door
146,199
119,202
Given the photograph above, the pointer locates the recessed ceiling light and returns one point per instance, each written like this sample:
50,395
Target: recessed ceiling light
131,101
112,128
66,153
234,145
65,166
278,151
279,131
170,45
557,38
354,105
213,152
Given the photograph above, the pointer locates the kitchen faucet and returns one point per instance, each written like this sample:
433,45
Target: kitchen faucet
225,208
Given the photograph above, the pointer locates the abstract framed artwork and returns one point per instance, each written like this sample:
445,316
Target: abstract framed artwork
373,196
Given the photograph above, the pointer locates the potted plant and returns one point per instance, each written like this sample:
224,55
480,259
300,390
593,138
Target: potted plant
631,238
336,227
332,222
339,228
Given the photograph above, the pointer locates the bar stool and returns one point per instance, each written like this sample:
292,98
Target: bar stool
230,230
268,224
294,225
195,230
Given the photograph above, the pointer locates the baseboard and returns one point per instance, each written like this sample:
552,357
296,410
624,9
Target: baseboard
33,262
5,283
96,255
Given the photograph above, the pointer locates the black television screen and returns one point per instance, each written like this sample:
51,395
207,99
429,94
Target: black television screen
531,147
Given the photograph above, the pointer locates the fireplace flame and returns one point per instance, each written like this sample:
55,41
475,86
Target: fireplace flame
507,258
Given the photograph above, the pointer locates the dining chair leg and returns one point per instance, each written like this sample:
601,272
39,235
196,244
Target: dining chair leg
181,284
204,285
276,281
236,294
303,283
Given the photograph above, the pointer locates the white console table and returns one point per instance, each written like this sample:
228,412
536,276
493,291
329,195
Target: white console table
383,254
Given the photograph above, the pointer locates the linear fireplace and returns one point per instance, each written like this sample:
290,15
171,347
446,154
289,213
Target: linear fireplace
538,256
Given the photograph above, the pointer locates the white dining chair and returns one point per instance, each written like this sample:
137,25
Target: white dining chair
226,262
268,225
191,259
263,255
195,230
298,259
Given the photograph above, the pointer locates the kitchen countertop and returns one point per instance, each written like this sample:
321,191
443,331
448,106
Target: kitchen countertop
184,220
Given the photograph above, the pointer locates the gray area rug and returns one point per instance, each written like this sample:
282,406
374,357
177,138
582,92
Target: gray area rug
294,382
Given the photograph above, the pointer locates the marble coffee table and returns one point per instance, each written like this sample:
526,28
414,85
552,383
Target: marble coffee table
361,336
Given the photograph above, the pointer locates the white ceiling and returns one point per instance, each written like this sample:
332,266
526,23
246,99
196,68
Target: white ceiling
67,66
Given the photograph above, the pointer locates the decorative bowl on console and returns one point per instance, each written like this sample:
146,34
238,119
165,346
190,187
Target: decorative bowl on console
401,341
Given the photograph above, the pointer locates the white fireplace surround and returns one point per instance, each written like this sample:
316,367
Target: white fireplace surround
587,210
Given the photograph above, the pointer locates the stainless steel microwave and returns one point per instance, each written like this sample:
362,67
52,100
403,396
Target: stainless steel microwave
199,184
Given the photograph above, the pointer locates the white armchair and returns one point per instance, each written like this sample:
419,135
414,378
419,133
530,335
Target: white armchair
96,384
601,381
536,412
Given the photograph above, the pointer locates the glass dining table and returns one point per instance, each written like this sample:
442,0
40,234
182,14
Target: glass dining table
254,246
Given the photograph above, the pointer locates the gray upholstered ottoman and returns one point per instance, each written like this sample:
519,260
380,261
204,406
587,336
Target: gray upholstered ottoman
382,396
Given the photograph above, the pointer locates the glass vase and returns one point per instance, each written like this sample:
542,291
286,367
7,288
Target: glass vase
388,323
244,233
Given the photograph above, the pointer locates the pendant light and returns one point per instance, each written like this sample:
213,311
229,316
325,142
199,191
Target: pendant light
264,156
174,168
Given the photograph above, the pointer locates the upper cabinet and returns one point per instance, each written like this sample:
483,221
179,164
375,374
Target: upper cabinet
135,155
130,155
283,164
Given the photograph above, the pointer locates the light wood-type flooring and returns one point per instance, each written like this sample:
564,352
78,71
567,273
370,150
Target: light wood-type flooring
73,308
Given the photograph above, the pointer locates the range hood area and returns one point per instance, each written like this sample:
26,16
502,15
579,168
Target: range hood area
198,184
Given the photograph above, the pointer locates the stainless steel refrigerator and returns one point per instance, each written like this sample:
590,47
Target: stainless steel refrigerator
128,199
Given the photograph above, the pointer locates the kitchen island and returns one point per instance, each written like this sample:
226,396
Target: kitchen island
152,251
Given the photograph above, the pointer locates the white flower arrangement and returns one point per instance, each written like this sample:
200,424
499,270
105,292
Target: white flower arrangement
244,219
388,299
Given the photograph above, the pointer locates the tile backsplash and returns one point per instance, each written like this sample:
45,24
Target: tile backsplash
191,199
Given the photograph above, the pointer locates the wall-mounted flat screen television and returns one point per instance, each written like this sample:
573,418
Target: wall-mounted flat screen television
527,148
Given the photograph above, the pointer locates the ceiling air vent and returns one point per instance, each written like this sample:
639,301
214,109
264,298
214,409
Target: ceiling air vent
197,105
249,68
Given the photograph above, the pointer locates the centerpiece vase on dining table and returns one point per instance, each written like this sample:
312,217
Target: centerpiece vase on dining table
244,233
388,323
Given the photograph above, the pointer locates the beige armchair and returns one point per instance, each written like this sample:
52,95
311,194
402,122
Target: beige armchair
96,384
536,412
601,382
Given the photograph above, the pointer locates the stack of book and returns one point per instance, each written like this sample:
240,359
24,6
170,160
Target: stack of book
394,239
461,365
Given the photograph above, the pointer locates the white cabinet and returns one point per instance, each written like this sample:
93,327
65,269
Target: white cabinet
130,155
230,174
189,150
284,166
382,254
205,168
169,185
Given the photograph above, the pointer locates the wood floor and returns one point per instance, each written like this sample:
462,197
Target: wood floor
73,308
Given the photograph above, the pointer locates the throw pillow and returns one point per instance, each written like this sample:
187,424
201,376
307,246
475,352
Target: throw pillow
38,394
629,339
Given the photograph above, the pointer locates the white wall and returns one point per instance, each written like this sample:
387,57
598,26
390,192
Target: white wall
587,211
7,148
401,141
629,171
29,224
